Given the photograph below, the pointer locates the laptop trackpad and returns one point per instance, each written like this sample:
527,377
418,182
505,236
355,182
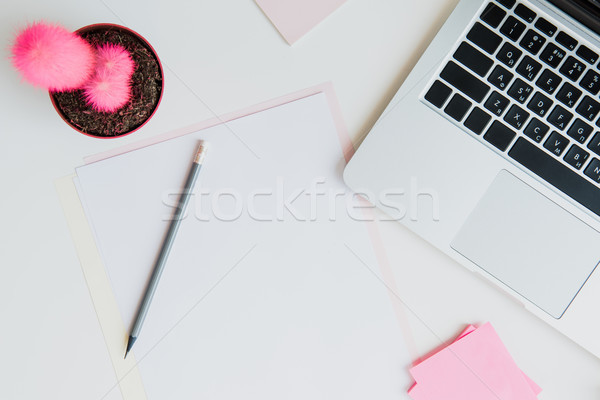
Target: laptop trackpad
529,243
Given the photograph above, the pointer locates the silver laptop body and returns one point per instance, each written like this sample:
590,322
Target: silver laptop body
497,127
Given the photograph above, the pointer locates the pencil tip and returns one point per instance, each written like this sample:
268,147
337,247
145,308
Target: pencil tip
130,343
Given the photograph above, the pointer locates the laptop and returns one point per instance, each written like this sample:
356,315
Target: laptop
495,139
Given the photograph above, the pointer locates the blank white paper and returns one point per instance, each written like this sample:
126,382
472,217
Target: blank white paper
263,296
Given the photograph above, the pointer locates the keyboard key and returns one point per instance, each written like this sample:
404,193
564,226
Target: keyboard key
525,13
594,144
520,91
580,131
464,81
566,40
437,94
539,104
477,120
473,59
552,55
572,68
588,108
557,174
568,94
556,143
484,38
512,28
457,107
548,81
587,54
576,157
593,170
591,82
493,15
509,54
559,117
536,130
507,3
532,41
516,117
499,135
496,103
528,68
500,77
545,26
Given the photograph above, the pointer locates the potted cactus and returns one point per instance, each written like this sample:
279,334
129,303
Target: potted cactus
104,80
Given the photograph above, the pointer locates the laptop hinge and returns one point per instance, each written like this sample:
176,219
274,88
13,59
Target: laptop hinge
585,11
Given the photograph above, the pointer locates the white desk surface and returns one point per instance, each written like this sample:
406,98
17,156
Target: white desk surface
230,56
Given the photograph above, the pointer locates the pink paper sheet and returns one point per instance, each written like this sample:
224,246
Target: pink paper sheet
475,366
294,18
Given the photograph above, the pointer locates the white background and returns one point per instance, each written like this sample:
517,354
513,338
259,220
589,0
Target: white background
230,56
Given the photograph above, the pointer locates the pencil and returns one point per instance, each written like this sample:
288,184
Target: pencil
166,246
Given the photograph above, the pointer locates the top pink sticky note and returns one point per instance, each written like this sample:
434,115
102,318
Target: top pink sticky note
477,366
534,386
293,18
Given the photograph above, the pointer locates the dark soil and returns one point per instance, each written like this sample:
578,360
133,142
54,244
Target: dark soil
146,86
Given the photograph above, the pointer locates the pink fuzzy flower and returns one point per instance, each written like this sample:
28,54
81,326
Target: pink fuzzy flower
51,57
109,88
115,59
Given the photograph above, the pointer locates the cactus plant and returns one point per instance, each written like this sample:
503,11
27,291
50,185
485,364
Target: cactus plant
104,80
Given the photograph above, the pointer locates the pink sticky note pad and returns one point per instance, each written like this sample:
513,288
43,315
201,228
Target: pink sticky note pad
476,366
534,386
294,18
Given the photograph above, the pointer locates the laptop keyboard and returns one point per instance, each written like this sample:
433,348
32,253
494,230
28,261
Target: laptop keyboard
529,90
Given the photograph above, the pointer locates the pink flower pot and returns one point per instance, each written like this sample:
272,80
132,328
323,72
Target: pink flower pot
108,28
